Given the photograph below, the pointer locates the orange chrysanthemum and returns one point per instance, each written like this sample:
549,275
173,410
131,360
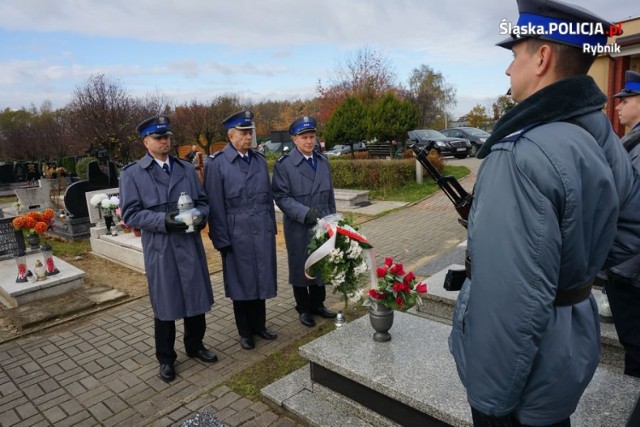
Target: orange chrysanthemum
29,222
41,227
18,222
48,214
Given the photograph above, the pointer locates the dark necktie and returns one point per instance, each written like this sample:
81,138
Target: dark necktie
310,161
166,169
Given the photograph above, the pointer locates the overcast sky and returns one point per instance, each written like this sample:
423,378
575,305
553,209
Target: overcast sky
259,50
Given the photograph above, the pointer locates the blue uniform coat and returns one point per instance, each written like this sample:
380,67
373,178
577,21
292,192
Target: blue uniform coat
297,188
175,262
547,204
242,216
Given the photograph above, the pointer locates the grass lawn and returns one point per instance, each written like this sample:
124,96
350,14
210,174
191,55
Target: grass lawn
413,192
280,363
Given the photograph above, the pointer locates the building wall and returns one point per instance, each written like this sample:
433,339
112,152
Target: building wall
608,70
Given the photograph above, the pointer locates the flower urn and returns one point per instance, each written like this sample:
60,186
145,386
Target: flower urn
381,318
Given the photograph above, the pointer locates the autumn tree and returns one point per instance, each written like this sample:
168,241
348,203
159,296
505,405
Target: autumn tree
431,95
501,106
477,117
103,116
201,124
365,75
17,135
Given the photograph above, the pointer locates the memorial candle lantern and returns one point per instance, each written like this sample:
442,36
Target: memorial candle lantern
186,211
47,254
41,272
21,263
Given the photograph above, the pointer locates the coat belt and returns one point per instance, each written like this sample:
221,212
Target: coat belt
564,297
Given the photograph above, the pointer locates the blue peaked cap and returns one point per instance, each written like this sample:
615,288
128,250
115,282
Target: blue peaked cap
552,15
240,120
154,126
302,124
632,85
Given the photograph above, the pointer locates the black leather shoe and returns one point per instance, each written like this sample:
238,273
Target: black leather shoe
268,335
247,343
307,320
206,356
324,312
167,373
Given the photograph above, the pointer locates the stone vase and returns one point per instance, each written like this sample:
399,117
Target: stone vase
34,240
108,222
381,318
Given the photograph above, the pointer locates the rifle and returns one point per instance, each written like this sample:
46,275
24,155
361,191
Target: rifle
449,184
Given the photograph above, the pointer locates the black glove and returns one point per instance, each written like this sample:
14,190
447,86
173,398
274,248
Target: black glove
171,224
199,222
311,217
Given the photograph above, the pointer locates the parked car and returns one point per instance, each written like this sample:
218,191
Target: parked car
277,147
338,150
280,142
445,146
476,136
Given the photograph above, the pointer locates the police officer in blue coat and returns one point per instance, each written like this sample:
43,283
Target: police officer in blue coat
242,226
556,199
623,284
175,263
303,190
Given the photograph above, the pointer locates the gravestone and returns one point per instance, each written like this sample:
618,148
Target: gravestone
11,240
6,173
36,197
74,197
32,171
77,222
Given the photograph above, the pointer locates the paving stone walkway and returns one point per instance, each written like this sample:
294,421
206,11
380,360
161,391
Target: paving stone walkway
101,369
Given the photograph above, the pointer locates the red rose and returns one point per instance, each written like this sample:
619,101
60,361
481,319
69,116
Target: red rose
399,302
397,269
388,261
409,277
375,294
398,287
406,287
381,271
421,288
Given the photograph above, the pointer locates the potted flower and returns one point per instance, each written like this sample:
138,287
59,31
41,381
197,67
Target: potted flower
107,206
340,256
34,224
395,290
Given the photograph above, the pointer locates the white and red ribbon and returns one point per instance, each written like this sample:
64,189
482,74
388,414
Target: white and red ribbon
325,249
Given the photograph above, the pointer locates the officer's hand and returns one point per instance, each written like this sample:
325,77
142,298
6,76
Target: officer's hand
172,224
199,222
225,250
312,217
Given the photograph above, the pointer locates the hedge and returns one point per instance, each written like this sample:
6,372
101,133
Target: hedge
369,174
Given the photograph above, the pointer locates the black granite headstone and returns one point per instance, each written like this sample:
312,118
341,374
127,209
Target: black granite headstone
11,240
96,176
32,170
6,173
74,197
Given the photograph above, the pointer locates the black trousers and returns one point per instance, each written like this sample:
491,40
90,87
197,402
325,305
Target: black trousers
165,333
309,298
624,300
482,420
251,317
